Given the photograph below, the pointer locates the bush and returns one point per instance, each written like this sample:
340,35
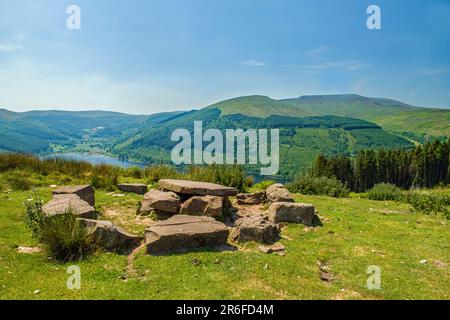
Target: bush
385,191
33,214
428,203
64,238
319,186
263,185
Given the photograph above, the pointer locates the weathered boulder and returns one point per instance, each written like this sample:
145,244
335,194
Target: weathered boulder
196,188
185,232
255,228
251,198
85,192
160,201
203,206
278,193
138,188
292,212
65,203
110,237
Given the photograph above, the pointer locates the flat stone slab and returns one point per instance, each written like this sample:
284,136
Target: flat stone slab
196,188
292,212
185,232
138,188
110,237
85,192
65,203
278,193
251,198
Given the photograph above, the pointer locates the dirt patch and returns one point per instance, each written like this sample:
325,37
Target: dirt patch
127,219
347,294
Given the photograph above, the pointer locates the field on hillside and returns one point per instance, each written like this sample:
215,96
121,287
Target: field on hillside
412,250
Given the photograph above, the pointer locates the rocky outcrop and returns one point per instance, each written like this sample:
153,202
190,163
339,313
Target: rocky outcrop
183,232
255,228
110,237
251,198
292,212
85,192
138,188
195,188
166,202
278,193
212,206
69,203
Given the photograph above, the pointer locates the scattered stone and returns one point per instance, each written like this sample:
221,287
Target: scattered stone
251,198
423,261
86,192
266,266
37,292
327,277
161,201
278,193
197,188
65,203
255,228
138,188
325,272
185,232
110,237
196,262
211,206
276,248
292,212
29,250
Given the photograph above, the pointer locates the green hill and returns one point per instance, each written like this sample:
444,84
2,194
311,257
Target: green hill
410,121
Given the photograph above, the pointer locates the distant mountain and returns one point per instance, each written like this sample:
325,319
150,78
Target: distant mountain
309,125
392,115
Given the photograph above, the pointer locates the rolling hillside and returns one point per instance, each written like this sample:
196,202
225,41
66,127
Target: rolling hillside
410,121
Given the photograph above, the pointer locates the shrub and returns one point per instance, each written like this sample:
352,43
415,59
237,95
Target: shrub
428,203
263,185
385,191
33,214
64,238
319,186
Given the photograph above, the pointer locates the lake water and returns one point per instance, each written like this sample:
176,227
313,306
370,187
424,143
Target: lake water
97,159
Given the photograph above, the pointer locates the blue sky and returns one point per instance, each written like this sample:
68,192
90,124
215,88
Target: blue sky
146,56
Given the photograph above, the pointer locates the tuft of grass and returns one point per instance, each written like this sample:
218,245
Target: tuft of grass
64,238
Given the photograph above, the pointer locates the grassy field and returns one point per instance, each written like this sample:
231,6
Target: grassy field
356,234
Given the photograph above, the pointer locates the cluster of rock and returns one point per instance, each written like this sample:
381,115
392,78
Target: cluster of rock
190,211
80,201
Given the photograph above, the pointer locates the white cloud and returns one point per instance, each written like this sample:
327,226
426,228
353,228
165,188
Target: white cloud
317,53
431,71
7,47
254,63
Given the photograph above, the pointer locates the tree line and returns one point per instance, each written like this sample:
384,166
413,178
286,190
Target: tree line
425,166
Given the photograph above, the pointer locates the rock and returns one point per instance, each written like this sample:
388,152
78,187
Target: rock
278,193
86,192
196,188
255,228
110,237
29,250
138,188
203,206
251,198
161,201
185,232
292,212
65,203
276,248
